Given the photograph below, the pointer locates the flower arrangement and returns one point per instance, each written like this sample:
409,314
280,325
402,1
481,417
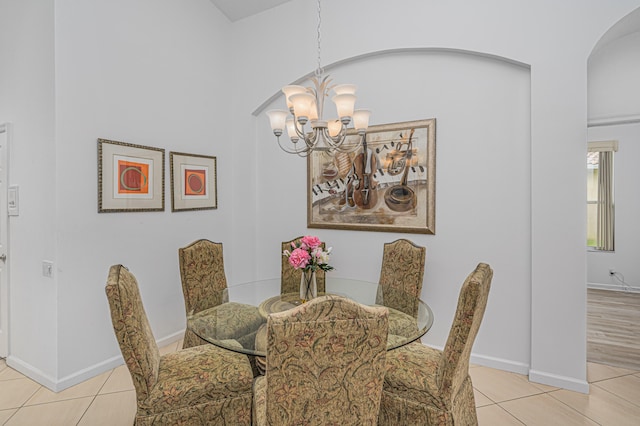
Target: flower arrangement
307,254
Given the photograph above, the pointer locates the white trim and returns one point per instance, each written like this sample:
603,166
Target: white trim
492,362
612,121
564,382
500,364
6,130
82,375
602,146
534,376
613,287
31,372
408,50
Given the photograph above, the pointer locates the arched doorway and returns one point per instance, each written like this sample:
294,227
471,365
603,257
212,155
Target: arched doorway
613,301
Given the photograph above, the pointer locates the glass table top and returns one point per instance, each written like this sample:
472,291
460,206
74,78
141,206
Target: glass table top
238,323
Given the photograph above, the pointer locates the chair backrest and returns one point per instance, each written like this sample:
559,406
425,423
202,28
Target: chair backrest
472,301
326,362
290,277
202,275
402,272
132,329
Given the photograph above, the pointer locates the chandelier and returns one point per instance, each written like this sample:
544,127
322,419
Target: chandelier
306,105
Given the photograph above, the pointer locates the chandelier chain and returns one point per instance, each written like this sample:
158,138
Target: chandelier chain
319,70
306,105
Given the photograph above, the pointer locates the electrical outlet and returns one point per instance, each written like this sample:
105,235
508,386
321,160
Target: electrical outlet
47,268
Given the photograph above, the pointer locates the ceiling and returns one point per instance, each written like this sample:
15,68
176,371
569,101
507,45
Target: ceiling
238,9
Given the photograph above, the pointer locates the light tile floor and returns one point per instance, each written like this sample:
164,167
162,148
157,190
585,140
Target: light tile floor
502,399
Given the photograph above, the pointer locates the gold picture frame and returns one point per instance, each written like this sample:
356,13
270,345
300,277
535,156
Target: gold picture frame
130,177
391,189
193,182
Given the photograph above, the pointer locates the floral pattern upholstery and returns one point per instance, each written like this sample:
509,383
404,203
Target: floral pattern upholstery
430,387
325,365
195,386
290,277
402,272
204,285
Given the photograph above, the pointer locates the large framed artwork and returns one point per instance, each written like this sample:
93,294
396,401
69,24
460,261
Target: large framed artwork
193,182
387,184
130,177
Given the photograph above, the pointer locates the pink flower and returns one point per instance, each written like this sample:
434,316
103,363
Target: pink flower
299,258
311,241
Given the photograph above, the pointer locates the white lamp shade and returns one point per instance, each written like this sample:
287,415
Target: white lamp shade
292,90
345,104
291,129
345,89
302,103
334,127
277,118
361,119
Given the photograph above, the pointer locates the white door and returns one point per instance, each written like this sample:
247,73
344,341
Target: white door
5,134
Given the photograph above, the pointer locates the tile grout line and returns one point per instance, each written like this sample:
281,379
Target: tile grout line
510,413
572,408
618,396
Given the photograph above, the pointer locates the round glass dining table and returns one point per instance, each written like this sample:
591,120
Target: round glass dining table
242,311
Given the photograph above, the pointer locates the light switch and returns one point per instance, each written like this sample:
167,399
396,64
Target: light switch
47,268
13,201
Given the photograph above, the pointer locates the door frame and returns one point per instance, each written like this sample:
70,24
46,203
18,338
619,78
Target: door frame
5,142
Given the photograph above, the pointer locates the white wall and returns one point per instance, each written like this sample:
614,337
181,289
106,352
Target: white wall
177,75
27,100
150,73
147,72
554,242
482,107
614,87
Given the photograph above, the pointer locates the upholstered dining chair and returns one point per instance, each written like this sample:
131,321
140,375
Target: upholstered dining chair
325,365
199,385
402,271
290,277
430,387
203,284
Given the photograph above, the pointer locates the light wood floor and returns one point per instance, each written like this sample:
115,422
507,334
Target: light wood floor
613,328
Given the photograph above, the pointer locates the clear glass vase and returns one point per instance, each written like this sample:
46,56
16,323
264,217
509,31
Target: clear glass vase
308,286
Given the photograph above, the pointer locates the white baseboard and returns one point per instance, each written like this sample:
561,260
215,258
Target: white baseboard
31,372
492,362
81,375
534,376
563,382
613,287
500,364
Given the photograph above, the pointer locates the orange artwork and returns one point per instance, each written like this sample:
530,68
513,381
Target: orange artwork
195,182
134,177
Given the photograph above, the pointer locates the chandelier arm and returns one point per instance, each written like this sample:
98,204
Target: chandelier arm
338,145
293,151
299,130
311,139
341,136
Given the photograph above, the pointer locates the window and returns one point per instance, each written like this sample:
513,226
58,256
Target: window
600,200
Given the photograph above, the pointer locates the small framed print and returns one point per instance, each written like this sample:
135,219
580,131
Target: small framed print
193,182
130,177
